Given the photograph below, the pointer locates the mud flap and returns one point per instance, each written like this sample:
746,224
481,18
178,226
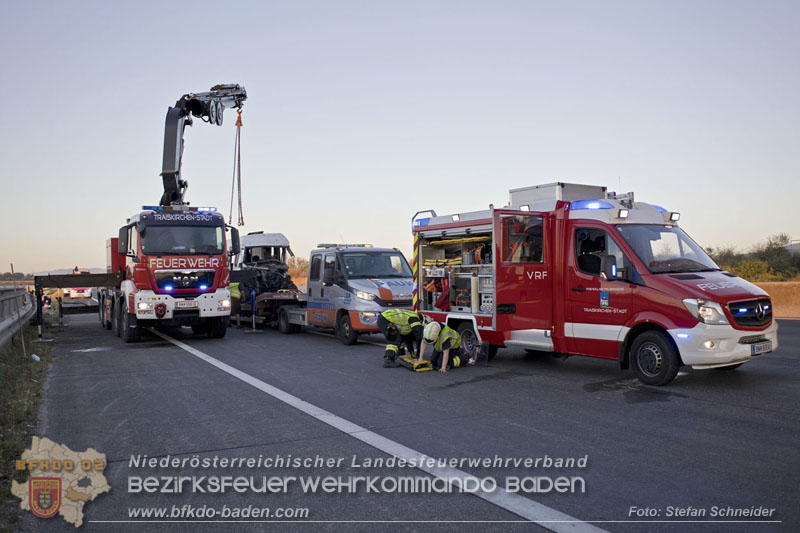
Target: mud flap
483,354
410,362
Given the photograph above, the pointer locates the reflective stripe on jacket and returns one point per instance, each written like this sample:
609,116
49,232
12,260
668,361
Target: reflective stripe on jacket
404,320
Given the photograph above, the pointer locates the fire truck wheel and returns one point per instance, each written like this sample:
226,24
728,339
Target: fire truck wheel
115,314
217,327
654,359
345,330
129,332
469,340
200,329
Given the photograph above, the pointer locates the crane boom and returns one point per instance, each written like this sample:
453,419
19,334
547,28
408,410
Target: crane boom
208,106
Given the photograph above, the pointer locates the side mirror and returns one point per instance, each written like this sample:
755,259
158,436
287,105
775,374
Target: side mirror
122,242
608,267
236,246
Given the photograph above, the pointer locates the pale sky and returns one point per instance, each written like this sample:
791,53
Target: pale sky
362,113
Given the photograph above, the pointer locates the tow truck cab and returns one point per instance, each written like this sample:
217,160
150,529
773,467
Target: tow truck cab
572,269
350,285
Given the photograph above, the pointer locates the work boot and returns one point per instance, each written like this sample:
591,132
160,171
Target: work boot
389,362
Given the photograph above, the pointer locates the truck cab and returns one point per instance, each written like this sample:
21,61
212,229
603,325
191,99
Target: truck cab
350,285
259,249
176,272
573,269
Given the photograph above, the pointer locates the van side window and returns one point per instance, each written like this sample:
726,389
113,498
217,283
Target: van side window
523,240
591,245
330,263
316,268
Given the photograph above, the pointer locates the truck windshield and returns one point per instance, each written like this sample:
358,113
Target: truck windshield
183,240
666,249
375,265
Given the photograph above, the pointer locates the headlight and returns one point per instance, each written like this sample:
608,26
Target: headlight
365,295
225,303
705,311
145,306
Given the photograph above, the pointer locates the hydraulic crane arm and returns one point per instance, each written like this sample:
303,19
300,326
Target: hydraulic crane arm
207,106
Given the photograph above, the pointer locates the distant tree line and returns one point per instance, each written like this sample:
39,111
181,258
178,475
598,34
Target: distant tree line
298,269
8,276
766,261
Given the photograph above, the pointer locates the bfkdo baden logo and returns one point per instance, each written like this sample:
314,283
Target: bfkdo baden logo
61,481
44,496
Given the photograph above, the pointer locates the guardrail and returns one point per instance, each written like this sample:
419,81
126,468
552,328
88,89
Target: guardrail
12,299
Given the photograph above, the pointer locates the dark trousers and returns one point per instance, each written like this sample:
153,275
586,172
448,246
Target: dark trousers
393,338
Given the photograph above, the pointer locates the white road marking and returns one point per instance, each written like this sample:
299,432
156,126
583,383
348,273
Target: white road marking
542,515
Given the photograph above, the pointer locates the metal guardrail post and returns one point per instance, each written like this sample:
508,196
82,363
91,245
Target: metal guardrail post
39,314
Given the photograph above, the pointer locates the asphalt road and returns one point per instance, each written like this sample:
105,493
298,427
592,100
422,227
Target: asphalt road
725,439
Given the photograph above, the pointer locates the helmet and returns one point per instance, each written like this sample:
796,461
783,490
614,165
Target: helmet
431,332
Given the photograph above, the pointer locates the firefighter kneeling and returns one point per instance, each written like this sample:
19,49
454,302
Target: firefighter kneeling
400,326
444,340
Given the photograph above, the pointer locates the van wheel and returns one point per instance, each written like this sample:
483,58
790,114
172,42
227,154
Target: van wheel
129,331
469,340
217,327
345,331
655,360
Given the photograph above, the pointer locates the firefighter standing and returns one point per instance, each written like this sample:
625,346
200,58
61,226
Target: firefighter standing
444,340
400,326
236,303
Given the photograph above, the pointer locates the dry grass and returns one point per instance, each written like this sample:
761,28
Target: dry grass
21,388
785,297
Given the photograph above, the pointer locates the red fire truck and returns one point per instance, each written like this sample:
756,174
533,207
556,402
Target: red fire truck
573,269
174,258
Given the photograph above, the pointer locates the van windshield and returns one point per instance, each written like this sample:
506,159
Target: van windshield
183,240
666,249
375,265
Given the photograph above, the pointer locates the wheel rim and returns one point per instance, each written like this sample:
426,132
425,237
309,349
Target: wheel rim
469,340
345,328
650,359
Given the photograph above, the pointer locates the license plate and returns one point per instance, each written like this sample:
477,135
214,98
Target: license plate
760,347
186,304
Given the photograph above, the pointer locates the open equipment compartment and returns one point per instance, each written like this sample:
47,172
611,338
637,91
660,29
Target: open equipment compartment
462,265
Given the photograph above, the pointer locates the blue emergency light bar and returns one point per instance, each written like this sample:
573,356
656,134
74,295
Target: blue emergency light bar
152,208
591,204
